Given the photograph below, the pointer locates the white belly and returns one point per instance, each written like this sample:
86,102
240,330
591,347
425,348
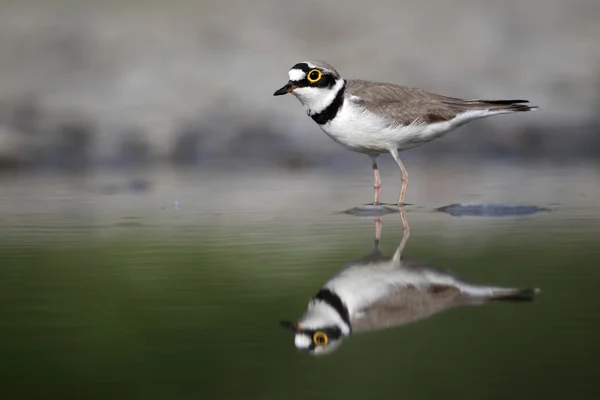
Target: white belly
365,132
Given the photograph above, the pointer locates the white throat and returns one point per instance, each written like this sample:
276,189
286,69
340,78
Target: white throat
317,99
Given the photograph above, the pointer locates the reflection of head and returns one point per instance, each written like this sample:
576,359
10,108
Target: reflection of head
324,325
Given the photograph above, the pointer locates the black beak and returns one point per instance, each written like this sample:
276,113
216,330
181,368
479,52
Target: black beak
290,326
288,88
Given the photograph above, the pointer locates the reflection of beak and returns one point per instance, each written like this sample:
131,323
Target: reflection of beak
290,326
288,88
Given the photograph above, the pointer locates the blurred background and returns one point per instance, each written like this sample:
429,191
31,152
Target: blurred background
189,82
161,211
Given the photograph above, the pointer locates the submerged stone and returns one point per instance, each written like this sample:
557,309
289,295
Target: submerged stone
490,210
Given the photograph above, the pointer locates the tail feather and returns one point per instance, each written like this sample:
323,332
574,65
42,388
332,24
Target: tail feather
499,102
514,108
514,295
504,105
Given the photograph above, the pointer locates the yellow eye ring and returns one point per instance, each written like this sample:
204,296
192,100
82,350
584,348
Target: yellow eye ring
314,76
320,338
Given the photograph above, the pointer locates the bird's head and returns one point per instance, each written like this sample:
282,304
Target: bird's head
314,83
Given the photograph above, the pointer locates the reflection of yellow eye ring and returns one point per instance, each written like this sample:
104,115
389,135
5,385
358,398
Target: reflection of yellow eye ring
320,338
314,76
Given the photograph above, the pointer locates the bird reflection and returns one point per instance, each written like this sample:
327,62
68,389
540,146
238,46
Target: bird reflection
378,292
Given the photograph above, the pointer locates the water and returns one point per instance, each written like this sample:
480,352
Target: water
176,288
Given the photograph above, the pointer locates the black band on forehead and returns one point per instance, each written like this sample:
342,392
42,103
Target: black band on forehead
302,66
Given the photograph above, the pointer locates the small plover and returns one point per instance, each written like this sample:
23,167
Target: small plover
375,118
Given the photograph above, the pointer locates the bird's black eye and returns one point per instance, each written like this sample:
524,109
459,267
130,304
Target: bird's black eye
320,338
314,76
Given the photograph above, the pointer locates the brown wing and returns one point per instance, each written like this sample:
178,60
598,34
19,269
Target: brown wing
406,105
405,306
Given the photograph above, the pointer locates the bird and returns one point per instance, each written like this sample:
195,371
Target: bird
374,118
378,292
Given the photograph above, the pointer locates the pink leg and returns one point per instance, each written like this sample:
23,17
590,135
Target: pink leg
378,228
405,233
376,182
404,178
405,225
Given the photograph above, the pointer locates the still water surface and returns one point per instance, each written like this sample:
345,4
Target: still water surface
174,287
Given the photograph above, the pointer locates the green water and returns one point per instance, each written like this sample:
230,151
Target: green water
126,296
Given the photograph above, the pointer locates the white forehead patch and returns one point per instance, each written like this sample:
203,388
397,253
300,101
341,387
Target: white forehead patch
302,341
296,74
